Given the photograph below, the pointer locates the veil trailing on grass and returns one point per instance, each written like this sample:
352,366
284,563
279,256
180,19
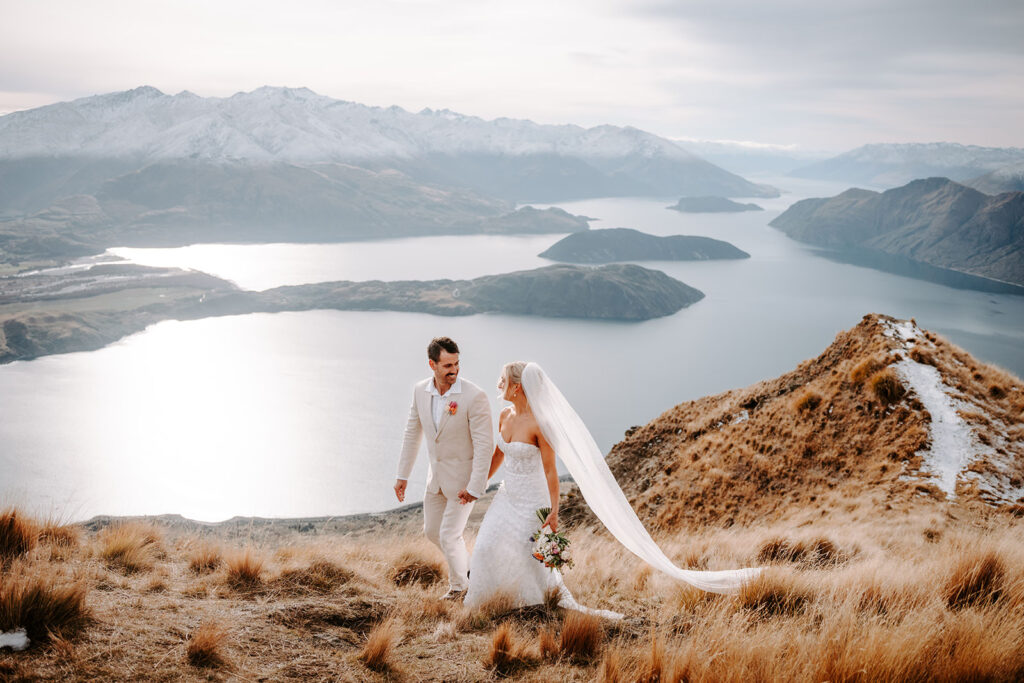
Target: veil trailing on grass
572,442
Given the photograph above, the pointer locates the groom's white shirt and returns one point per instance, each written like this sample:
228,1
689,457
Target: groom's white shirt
438,402
459,443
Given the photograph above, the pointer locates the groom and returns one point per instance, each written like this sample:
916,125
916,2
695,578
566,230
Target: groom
455,415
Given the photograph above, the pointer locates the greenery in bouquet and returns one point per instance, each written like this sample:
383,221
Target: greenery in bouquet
550,548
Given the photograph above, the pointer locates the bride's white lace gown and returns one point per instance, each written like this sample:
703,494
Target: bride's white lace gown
502,560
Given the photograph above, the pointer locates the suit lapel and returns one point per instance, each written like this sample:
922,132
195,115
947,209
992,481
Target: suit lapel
426,416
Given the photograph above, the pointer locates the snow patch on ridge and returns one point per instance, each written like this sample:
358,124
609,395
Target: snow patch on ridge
953,446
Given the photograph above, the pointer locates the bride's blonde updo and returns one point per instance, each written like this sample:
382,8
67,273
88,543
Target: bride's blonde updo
513,372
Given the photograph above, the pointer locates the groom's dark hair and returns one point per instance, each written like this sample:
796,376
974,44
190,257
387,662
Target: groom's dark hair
437,344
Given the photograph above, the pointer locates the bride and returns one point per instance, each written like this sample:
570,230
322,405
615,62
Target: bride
539,424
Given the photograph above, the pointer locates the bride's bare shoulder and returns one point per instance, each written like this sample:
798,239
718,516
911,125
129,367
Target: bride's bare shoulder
503,415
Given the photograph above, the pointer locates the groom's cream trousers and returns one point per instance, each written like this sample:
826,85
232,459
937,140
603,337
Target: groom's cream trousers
459,451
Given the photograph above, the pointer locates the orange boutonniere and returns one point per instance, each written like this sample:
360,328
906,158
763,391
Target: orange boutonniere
453,408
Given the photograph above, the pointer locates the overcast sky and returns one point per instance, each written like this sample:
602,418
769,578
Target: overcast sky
821,74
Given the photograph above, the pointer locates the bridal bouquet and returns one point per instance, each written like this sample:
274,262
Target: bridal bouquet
550,548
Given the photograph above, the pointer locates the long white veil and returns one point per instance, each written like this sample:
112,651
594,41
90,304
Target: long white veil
572,442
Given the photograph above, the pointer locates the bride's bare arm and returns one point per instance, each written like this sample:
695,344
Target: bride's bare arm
547,458
498,457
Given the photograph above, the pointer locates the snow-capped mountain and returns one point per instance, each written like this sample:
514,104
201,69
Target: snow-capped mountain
508,158
286,124
893,165
1004,179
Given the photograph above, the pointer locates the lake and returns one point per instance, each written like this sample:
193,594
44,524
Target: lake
301,414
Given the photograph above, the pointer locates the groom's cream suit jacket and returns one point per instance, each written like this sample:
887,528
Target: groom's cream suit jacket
459,449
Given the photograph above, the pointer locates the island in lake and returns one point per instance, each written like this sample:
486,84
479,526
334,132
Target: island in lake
625,244
712,205
87,308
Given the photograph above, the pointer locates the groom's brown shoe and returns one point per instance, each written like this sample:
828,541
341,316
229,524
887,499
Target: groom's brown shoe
453,594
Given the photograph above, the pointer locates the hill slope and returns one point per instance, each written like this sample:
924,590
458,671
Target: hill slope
888,418
935,222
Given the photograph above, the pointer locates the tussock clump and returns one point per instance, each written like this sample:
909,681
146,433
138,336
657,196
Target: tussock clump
807,401
322,576
412,568
886,385
131,547
245,569
815,552
205,557
865,369
61,535
18,534
204,646
581,638
353,613
655,667
376,652
996,391
491,611
976,580
919,355
509,652
547,645
611,667
774,594
41,606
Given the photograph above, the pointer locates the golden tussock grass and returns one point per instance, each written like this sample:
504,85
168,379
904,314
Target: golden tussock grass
548,645
131,547
415,568
887,386
244,569
205,646
60,535
376,652
320,576
509,652
582,637
807,401
205,557
887,612
42,603
18,534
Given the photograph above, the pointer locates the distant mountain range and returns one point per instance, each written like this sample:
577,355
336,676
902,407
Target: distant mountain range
892,165
73,147
935,222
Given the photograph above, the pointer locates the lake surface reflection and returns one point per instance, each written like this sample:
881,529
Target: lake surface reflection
298,414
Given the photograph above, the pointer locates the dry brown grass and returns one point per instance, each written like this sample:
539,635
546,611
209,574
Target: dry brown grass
205,557
886,386
884,613
321,576
864,369
376,653
60,535
131,547
807,401
205,646
977,580
509,652
18,534
581,638
244,569
414,568
42,603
